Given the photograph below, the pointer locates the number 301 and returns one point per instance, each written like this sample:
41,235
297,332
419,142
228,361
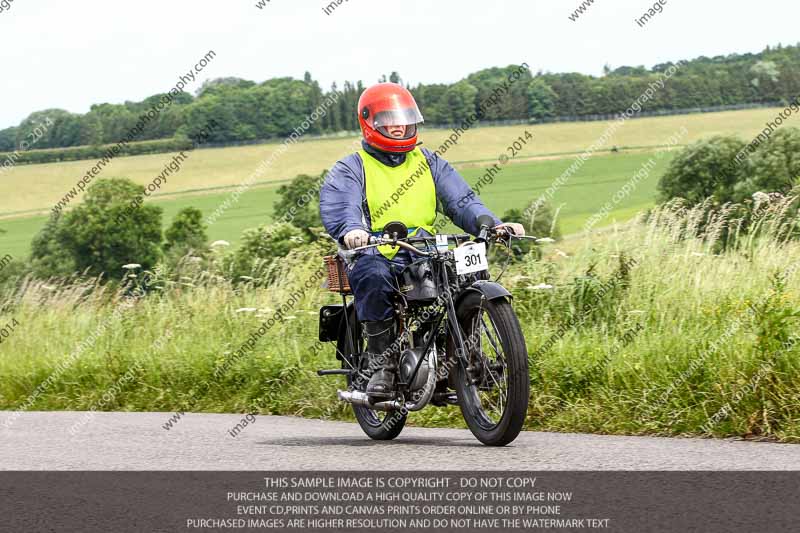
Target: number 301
473,259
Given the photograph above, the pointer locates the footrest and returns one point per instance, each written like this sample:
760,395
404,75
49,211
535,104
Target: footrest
334,372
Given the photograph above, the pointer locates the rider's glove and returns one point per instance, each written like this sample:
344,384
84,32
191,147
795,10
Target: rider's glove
356,238
516,229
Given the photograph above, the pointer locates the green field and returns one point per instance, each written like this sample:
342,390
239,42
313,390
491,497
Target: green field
28,192
518,184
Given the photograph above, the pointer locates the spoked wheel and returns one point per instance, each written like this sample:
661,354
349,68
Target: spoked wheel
378,425
493,391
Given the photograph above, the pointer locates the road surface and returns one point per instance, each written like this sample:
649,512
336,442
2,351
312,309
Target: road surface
138,441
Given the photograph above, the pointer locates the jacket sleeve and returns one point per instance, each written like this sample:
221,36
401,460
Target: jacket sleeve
341,198
460,203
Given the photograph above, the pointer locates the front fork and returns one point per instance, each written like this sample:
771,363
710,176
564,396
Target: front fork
454,325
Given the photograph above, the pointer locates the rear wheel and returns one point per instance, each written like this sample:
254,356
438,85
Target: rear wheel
378,425
493,390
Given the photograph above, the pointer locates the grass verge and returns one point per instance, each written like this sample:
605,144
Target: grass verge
689,340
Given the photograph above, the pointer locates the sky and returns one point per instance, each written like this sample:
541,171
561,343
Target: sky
71,55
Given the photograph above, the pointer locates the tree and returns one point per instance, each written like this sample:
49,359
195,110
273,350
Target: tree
212,86
102,234
541,100
47,129
260,248
215,110
48,256
460,101
629,71
776,164
430,99
90,130
8,140
765,76
115,121
705,168
186,233
12,273
298,202
541,223
497,98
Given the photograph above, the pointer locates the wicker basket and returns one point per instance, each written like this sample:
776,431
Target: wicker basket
337,275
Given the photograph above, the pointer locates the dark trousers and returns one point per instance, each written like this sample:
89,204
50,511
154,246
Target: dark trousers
373,279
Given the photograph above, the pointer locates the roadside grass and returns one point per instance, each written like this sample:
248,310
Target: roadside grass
656,353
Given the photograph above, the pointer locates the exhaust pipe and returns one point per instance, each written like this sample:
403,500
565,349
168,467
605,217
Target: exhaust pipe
362,400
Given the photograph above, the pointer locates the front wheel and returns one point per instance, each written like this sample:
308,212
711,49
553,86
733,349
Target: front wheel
378,425
493,390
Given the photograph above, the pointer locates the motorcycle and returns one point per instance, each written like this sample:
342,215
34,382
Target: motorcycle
459,340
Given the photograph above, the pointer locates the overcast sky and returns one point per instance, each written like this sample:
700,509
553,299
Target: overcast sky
70,55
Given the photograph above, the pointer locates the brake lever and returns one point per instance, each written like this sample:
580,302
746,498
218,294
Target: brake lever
365,247
374,242
537,240
506,236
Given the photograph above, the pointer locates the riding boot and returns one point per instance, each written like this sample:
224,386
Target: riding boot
383,357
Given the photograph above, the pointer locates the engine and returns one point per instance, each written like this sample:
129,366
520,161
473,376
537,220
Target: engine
408,362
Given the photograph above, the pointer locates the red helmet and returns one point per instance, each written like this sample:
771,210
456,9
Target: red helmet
389,104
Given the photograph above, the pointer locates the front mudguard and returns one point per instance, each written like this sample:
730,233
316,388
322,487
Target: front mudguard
490,290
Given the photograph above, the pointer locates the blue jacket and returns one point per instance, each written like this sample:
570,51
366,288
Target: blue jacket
343,202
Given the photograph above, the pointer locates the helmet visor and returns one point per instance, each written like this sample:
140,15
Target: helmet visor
397,117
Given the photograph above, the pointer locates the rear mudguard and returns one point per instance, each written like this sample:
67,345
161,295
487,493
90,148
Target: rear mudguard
489,289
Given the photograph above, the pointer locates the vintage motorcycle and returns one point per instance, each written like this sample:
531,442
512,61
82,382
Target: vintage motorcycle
459,340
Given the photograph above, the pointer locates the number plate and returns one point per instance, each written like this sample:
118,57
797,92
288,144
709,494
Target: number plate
471,258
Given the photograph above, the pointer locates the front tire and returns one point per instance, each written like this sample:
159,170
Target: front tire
377,427
493,391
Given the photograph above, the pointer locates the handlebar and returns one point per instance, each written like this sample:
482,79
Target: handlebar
486,234
377,241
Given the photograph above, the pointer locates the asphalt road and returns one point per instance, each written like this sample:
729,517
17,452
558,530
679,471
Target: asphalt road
137,441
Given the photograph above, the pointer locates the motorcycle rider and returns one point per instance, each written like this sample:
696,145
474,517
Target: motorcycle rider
390,179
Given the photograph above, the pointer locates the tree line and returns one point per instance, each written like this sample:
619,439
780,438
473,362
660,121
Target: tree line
246,110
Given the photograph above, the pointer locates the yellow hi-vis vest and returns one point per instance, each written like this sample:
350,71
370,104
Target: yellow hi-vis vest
405,193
